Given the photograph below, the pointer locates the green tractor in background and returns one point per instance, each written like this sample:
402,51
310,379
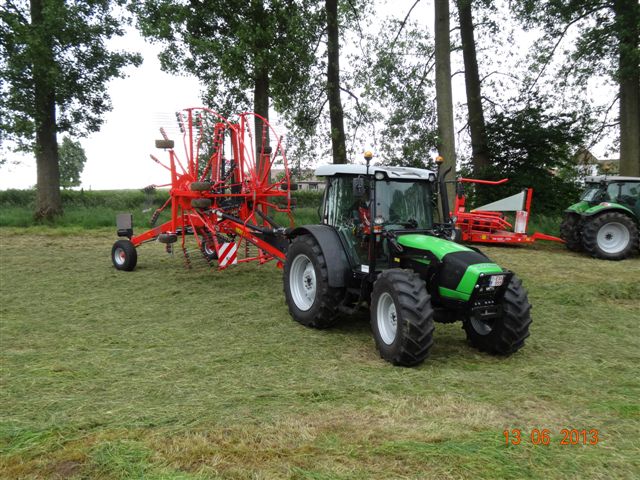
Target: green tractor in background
605,221
380,246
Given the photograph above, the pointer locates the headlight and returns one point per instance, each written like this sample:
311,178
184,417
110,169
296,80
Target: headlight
432,177
379,175
496,280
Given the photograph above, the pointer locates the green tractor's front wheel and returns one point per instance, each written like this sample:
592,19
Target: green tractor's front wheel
506,333
570,232
402,317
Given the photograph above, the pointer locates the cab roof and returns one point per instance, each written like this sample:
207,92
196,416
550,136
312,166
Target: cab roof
397,173
610,178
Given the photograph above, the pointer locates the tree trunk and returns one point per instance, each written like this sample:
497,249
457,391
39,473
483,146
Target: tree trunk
444,97
336,114
48,200
628,18
479,151
261,107
260,85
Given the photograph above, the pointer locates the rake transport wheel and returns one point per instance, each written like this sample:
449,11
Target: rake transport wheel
610,236
201,203
124,255
506,334
311,301
402,317
570,232
167,238
200,186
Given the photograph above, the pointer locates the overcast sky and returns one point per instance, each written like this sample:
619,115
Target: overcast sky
118,155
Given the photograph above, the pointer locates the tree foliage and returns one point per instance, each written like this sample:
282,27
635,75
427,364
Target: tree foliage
605,36
228,44
534,148
401,84
72,160
77,68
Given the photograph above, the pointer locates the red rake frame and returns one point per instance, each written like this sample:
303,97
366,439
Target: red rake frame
218,200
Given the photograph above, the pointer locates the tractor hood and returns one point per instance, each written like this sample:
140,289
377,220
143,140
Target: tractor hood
461,266
438,246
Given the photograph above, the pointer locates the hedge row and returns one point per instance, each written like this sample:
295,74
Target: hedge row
121,199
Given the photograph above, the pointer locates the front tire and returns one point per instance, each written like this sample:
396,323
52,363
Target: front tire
124,255
504,335
311,301
402,317
610,236
570,232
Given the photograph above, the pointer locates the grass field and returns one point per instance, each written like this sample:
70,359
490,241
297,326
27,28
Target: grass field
187,374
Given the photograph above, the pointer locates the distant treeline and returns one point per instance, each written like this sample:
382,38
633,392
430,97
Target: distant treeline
121,199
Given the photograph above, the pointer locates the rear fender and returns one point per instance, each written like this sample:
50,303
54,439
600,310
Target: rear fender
609,207
338,266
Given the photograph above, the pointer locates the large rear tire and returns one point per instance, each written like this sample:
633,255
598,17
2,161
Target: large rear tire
504,335
610,236
402,317
570,232
311,301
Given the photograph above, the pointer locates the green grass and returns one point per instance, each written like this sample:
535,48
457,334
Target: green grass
168,373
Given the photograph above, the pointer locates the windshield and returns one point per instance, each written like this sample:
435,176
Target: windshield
404,204
592,193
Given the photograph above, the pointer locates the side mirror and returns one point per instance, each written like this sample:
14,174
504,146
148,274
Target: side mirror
358,187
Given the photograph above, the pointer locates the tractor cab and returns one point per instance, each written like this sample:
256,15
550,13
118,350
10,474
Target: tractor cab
367,209
621,190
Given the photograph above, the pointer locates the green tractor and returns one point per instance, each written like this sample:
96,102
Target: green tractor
605,221
379,245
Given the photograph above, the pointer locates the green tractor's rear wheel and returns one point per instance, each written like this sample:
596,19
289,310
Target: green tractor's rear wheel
311,301
506,334
402,317
570,232
610,236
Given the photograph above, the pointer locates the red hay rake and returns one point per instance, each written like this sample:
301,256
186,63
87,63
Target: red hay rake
223,202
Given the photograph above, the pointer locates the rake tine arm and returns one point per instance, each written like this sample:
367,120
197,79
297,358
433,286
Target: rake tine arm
153,157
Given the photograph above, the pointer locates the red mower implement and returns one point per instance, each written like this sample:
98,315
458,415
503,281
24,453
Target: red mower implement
223,202
489,224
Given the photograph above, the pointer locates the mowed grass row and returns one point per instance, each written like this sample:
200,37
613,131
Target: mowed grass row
186,374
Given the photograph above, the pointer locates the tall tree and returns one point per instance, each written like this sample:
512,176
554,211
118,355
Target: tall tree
479,150
54,66
336,113
237,49
444,96
607,42
72,160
